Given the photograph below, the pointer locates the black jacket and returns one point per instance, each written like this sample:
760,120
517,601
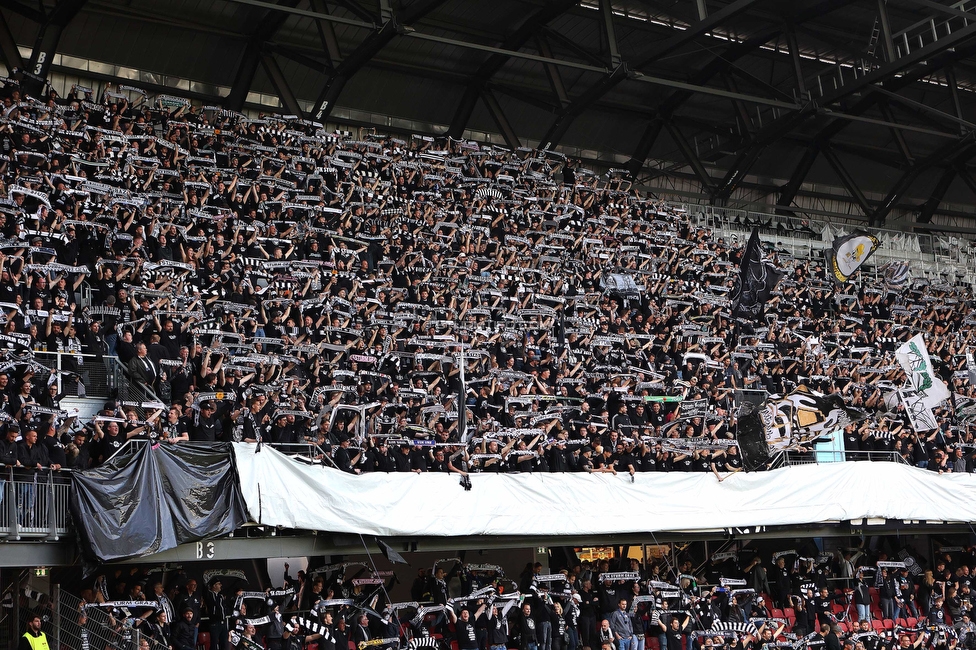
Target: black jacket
33,456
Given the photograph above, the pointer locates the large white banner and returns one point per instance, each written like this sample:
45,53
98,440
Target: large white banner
914,360
282,492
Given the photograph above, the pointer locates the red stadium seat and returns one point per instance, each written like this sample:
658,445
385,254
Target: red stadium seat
902,623
889,624
352,645
878,625
203,641
912,621
777,613
789,613
844,627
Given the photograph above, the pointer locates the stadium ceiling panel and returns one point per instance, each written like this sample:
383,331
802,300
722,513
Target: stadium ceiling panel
877,97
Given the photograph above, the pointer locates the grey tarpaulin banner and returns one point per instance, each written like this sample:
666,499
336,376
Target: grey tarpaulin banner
751,436
155,500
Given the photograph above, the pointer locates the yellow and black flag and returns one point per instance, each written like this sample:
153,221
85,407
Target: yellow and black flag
848,253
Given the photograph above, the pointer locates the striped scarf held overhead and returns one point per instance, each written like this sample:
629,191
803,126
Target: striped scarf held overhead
312,627
735,626
485,193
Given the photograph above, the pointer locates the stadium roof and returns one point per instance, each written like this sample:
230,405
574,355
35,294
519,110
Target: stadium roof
867,104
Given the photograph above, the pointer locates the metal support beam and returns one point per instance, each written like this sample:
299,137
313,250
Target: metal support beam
386,10
702,9
950,74
845,178
280,84
889,44
689,154
564,120
956,151
800,172
552,71
8,48
643,149
795,58
306,13
967,178
572,46
25,11
530,27
355,9
964,125
895,133
895,68
330,44
606,10
742,114
720,63
498,115
262,28
46,44
935,198
299,57
908,69
365,51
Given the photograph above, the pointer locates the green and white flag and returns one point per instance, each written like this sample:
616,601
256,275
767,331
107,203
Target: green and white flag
914,360
924,390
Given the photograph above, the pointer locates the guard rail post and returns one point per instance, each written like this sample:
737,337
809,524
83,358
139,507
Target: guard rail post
52,510
13,519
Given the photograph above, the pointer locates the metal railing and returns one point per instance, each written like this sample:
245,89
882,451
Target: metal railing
805,238
98,377
66,621
101,378
790,458
308,450
33,504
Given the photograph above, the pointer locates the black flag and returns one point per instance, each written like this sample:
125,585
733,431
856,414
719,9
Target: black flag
389,553
757,279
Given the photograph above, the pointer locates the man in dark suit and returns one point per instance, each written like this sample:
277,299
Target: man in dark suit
143,369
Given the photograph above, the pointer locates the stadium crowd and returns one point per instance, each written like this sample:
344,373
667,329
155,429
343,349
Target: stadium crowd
269,281
850,598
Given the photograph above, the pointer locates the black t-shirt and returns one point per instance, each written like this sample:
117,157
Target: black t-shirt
207,430
55,450
466,638
111,444
527,630
624,462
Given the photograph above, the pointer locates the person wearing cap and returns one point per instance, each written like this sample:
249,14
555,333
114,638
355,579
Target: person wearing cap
216,610
208,428
183,631
344,458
